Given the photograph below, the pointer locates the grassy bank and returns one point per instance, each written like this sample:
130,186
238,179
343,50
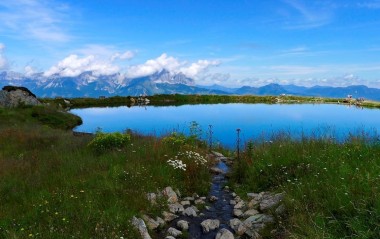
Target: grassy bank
332,189
177,99
53,185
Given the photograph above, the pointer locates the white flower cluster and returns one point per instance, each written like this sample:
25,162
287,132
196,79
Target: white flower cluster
177,164
193,156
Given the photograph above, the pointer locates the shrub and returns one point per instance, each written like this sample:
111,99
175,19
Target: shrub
109,141
175,140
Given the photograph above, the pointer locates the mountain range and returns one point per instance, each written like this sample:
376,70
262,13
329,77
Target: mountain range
88,84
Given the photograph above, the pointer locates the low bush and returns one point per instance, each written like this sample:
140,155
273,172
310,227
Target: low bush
109,141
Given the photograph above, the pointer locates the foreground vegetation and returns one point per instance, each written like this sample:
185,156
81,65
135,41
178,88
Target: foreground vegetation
177,99
332,189
54,184
57,185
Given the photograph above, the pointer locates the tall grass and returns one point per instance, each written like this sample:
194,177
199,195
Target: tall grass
332,189
53,185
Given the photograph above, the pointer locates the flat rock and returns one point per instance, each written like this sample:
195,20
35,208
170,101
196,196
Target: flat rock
239,205
190,212
238,226
224,234
150,222
141,227
271,201
185,203
232,202
183,225
173,232
176,207
250,212
199,201
237,213
168,217
217,154
215,170
152,197
210,225
160,221
253,204
213,199
170,194
258,222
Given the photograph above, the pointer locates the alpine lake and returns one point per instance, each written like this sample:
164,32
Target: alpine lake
221,121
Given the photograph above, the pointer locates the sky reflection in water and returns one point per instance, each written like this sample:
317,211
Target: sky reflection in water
254,120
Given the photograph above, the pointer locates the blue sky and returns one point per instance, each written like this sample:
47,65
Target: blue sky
229,42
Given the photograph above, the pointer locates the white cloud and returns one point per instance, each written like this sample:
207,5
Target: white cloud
29,70
123,56
3,61
170,64
34,19
198,67
74,65
308,15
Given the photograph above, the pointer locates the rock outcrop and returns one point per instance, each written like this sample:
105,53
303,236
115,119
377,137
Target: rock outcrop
12,96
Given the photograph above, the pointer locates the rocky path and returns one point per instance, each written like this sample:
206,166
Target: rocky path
224,215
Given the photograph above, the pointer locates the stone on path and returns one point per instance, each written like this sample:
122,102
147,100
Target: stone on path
239,205
190,211
238,213
224,234
271,201
213,199
185,203
250,212
140,225
170,194
168,217
150,222
160,221
176,207
210,225
215,170
238,226
183,225
169,237
174,232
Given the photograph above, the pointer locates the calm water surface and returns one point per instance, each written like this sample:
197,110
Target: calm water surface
254,120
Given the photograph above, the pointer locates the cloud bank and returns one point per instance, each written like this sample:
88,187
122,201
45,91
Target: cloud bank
74,65
171,64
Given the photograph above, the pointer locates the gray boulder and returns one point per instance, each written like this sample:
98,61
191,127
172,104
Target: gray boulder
238,226
183,225
210,225
250,212
176,207
271,201
174,232
141,227
170,194
168,217
224,234
190,212
150,222
11,97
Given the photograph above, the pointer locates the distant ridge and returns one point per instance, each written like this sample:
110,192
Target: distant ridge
88,84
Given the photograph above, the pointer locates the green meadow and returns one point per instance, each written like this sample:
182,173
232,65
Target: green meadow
57,184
